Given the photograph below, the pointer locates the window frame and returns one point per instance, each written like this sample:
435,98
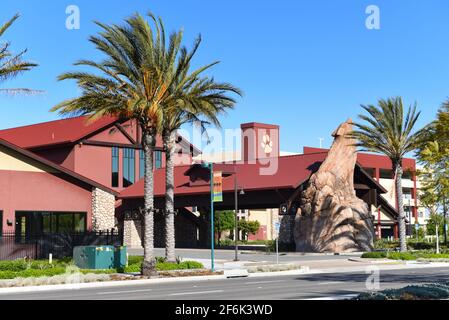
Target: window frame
129,167
115,162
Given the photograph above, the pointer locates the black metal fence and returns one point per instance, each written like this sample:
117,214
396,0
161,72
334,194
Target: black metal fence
60,245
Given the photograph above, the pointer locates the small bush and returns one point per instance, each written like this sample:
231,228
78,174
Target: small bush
31,273
15,265
135,260
375,255
414,292
401,256
136,267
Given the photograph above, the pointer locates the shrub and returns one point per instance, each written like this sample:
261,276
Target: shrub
7,274
31,273
134,259
165,266
414,292
135,267
374,255
401,256
15,265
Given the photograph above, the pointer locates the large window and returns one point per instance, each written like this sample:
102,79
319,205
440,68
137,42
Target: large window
158,159
115,167
157,162
29,223
1,223
141,164
128,167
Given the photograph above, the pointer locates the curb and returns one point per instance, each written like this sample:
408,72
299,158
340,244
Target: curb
123,283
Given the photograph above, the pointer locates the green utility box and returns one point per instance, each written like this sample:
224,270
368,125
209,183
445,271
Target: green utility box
94,257
120,257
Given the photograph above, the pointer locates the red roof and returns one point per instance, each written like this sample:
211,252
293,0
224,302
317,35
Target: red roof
55,132
370,160
292,171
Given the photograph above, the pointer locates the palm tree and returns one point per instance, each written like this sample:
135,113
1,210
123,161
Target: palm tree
196,100
132,82
385,130
11,64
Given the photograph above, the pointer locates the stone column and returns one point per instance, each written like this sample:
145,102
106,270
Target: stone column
103,210
132,234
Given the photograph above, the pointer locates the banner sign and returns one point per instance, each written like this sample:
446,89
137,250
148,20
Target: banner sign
218,187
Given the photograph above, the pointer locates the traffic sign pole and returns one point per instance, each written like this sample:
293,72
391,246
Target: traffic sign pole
212,233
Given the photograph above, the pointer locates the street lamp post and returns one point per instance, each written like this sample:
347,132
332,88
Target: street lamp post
236,258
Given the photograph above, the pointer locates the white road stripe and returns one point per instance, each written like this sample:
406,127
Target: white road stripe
129,291
342,297
330,282
196,292
270,281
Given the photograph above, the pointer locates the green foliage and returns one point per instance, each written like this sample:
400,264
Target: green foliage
135,263
248,227
404,255
14,266
224,221
388,130
375,255
32,273
420,234
434,220
12,64
435,291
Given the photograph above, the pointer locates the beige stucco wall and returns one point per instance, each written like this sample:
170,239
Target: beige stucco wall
14,161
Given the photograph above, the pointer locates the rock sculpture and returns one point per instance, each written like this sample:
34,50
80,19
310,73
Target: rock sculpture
331,218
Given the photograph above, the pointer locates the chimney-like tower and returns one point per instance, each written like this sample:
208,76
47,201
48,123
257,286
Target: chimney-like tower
259,140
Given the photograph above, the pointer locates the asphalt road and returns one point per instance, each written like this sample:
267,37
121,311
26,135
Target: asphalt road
255,256
307,286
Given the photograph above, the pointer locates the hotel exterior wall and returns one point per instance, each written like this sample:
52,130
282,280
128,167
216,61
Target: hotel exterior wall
40,191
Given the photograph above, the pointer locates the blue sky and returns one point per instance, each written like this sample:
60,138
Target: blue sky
305,65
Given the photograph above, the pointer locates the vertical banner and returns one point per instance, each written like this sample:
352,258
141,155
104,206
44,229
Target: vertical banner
218,187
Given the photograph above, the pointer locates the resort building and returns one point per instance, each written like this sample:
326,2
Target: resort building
79,174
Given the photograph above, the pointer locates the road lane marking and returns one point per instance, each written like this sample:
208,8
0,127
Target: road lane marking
330,282
342,297
269,281
196,292
128,291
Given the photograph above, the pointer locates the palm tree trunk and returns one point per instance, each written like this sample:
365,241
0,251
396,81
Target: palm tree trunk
445,219
400,201
169,147
149,262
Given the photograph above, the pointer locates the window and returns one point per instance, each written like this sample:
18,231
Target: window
157,162
36,223
115,167
158,159
128,167
1,223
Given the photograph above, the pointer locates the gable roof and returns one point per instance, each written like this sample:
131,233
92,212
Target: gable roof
292,171
56,167
65,132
